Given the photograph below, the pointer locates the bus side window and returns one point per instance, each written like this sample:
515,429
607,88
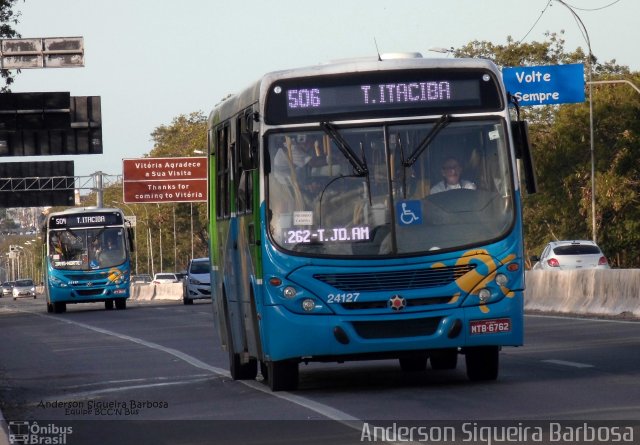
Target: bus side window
223,204
244,178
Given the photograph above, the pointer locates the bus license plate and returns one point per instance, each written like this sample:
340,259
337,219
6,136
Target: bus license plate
493,326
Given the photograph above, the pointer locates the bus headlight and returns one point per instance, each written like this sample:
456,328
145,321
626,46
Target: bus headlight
57,282
289,292
502,279
308,304
484,295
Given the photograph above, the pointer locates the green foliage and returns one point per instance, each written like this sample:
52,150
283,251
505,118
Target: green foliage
8,18
561,142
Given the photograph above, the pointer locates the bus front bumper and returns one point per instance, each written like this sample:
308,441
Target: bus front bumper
78,295
341,337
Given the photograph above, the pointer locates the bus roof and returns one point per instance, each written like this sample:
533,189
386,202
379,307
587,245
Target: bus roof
396,61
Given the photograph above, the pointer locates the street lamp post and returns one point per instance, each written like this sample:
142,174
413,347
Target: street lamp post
149,246
592,143
160,236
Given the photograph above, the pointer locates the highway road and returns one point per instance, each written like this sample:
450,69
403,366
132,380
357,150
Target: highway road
155,373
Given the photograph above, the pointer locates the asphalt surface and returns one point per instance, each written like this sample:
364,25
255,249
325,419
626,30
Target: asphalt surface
154,373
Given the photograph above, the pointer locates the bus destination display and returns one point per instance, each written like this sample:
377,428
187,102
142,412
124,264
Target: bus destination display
369,95
85,220
304,101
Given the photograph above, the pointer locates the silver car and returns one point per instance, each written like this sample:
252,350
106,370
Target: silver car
24,288
568,255
7,289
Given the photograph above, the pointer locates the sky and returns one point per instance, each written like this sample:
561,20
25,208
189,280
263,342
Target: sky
153,60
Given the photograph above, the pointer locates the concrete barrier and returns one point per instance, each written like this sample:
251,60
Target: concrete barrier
142,292
595,291
610,292
148,292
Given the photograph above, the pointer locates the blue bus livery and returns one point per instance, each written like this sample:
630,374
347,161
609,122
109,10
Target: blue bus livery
87,258
329,241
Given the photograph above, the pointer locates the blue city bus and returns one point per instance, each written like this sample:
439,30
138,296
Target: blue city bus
87,258
334,236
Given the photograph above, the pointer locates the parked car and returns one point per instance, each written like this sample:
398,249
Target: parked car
567,255
161,278
7,289
141,279
197,283
24,288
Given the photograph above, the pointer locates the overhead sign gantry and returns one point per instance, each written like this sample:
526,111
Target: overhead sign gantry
44,124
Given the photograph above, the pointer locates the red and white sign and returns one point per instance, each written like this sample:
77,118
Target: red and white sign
493,326
159,180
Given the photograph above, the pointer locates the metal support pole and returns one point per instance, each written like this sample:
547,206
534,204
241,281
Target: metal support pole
592,144
191,204
175,243
97,177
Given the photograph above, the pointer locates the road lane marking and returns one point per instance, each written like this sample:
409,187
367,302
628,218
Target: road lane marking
96,392
324,410
566,363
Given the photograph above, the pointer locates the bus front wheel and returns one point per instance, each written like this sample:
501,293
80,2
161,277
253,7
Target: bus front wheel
482,362
282,375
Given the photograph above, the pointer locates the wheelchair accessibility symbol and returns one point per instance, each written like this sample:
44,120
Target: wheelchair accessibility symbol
409,212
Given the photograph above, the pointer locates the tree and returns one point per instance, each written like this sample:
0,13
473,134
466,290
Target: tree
561,149
8,19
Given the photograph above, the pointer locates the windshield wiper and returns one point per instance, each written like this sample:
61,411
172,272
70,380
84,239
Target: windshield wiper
359,166
444,120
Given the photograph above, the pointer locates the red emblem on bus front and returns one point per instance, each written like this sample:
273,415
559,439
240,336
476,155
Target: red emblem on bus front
397,303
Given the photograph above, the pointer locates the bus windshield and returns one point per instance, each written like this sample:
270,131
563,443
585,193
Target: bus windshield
87,249
409,188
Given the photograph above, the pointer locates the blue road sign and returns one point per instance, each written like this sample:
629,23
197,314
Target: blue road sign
545,85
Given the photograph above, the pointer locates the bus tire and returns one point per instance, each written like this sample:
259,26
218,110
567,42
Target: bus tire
282,375
59,308
49,307
413,363
482,363
444,359
108,305
121,304
187,301
237,369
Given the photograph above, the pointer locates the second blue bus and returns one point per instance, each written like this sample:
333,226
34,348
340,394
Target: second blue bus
87,258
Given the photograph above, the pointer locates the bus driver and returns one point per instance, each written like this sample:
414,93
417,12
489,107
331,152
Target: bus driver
451,171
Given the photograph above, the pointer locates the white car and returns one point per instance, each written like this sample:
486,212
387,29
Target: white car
197,283
567,255
24,288
162,278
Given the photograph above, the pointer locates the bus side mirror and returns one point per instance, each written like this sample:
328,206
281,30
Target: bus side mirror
132,240
520,130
